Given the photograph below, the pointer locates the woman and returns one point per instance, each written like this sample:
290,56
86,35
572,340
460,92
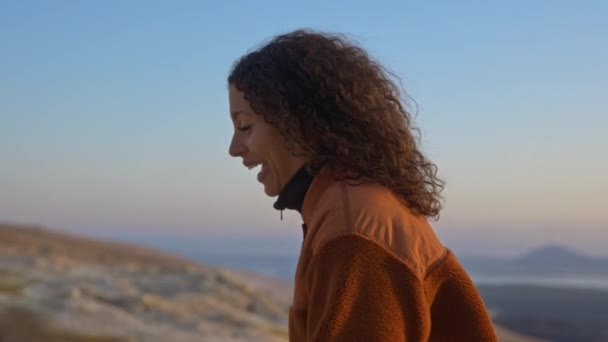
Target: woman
334,142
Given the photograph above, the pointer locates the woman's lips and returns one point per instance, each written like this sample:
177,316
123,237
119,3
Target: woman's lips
262,173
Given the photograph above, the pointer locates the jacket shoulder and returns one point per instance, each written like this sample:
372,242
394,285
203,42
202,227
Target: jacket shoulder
374,212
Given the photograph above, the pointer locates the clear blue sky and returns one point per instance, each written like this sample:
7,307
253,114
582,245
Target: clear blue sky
114,115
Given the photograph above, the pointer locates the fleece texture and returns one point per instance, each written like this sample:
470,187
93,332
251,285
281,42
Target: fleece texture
370,270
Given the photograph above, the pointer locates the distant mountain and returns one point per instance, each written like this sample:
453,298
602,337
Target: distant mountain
546,260
551,253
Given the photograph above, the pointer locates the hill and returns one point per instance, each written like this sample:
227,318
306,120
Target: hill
546,260
60,287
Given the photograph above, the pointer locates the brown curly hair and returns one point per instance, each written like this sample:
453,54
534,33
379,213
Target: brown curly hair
339,107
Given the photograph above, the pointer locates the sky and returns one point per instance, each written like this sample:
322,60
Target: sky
114,116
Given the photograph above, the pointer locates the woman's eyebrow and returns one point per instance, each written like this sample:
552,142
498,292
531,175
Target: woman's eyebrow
237,113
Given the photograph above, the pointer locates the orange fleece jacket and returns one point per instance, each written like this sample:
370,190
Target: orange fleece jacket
370,270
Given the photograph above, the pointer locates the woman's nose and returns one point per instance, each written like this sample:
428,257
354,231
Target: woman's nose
236,148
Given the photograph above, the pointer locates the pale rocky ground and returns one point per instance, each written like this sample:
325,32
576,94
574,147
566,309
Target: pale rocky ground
58,287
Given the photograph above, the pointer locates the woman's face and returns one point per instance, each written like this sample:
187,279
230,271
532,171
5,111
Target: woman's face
260,144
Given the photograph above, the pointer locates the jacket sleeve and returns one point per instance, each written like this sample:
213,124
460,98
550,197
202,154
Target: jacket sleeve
358,291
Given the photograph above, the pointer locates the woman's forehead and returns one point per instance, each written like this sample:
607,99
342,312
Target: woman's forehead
238,104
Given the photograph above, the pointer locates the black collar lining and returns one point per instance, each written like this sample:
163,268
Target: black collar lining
292,195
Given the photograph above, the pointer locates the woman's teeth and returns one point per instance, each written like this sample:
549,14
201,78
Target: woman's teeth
254,166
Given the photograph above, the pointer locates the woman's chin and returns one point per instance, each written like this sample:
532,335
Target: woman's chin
271,191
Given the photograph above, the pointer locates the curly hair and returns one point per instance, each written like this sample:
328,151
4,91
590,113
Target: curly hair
336,105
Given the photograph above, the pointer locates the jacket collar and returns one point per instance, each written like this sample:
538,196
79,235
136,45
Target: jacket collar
293,194
320,183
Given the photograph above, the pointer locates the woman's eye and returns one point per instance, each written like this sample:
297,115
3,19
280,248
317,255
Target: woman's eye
244,128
